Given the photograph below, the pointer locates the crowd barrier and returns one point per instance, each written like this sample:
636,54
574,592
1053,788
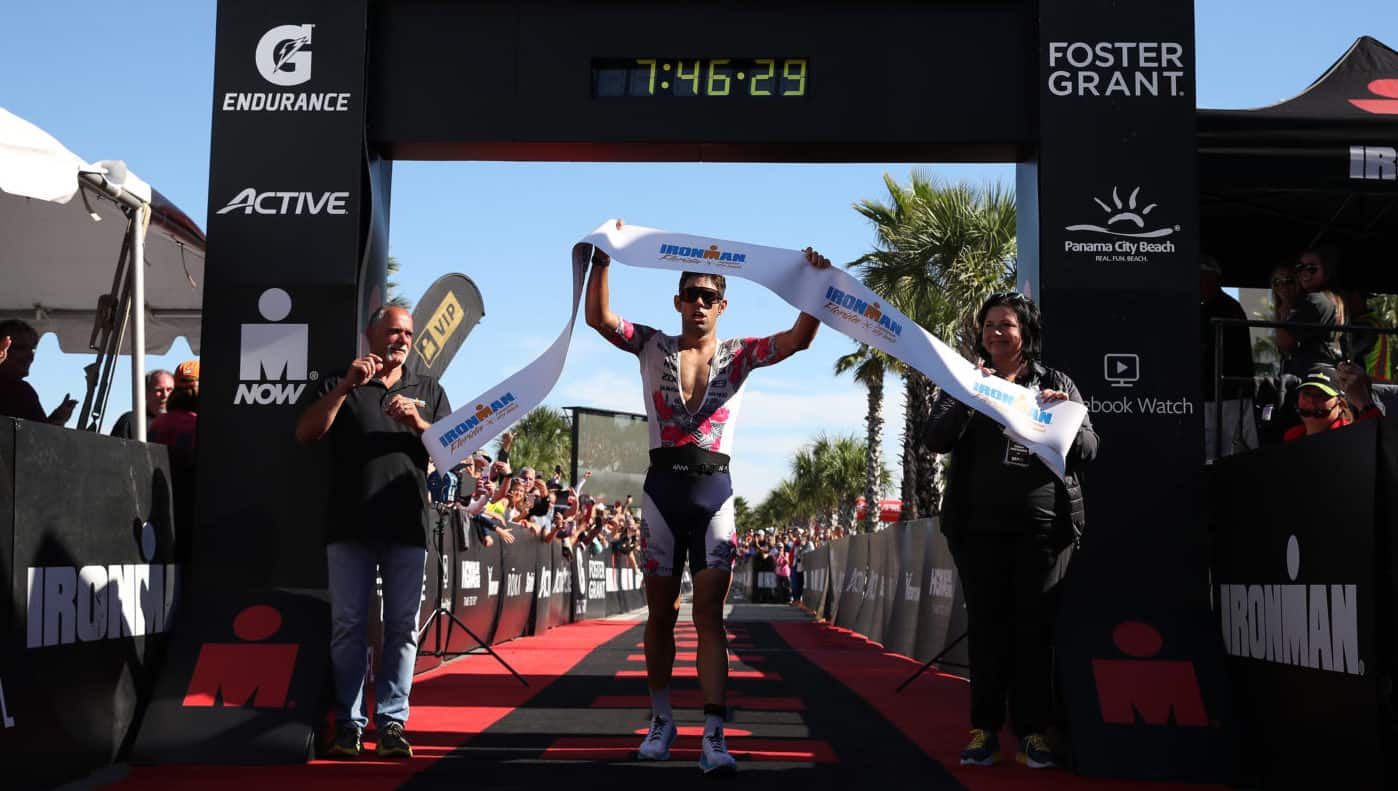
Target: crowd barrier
95,581
897,587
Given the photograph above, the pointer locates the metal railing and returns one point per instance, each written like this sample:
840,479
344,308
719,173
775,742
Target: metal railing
1219,324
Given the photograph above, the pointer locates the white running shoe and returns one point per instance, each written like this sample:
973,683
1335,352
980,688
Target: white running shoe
656,745
715,756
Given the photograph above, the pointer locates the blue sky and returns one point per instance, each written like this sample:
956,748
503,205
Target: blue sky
111,83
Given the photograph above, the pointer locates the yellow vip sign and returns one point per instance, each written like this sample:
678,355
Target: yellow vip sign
445,321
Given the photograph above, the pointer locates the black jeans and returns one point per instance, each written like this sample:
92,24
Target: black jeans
1010,619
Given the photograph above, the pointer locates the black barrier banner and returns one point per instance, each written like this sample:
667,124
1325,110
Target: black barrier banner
870,620
447,312
477,600
906,542
578,573
1296,599
839,561
742,587
91,583
1116,238
856,581
615,606
941,616
764,579
520,560
817,585
560,605
596,581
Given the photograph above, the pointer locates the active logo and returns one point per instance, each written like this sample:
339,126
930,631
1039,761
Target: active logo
1387,88
250,201
245,673
283,58
445,321
1373,163
272,358
700,255
1116,68
1143,690
1312,626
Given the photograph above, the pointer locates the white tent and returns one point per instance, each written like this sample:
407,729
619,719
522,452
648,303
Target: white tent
61,263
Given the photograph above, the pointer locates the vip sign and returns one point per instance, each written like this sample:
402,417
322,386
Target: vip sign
445,321
283,57
1314,626
272,358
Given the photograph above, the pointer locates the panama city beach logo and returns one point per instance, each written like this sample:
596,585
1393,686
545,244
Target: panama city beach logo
866,314
272,359
485,414
1020,403
283,58
700,255
1131,237
1313,626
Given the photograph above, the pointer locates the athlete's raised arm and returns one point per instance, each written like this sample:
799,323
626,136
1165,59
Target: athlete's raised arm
799,337
598,305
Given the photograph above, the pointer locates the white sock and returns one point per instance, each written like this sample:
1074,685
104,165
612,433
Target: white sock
712,722
660,704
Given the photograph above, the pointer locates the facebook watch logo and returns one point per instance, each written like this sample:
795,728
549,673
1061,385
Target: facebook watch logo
272,358
284,55
250,671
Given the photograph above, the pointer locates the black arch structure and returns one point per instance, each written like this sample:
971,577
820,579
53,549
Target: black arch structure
1093,98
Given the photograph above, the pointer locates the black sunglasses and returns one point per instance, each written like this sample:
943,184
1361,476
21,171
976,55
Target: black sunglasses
1283,281
1308,269
707,296
1314,412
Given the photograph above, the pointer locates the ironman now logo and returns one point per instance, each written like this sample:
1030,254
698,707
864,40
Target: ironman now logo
272,358
284,55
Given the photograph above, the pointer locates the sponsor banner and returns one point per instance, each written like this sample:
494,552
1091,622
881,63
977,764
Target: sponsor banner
816,587
832,295
447,312
906,549
1297,602
855,583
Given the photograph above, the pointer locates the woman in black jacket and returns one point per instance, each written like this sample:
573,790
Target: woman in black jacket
1011,525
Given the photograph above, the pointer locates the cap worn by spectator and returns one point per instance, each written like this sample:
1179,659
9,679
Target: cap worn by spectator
1322,377
187,373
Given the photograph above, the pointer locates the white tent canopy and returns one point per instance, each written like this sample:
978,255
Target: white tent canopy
58,260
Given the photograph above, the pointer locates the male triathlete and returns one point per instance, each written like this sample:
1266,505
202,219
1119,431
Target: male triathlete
693,387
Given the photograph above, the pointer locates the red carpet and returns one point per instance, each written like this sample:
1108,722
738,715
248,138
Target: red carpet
932,711
449,705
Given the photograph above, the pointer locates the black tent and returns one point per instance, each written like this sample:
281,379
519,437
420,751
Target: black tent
1317,168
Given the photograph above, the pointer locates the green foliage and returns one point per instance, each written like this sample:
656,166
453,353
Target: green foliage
395,298
543,438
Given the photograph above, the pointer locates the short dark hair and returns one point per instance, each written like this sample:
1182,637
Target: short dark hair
719,281
1030,328
13,327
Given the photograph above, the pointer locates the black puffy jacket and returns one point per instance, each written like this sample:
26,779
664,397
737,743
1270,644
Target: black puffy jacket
945,432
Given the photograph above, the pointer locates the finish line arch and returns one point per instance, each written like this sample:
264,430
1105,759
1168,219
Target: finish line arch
314,99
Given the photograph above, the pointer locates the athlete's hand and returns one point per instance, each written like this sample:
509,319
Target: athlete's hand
816,259
1049,396
64,411
363,369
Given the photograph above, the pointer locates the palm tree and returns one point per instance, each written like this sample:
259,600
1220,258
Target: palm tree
742,515
940,250
543,438
869,365
395,299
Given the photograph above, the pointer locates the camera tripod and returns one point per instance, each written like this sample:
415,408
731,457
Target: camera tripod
934,660
434,621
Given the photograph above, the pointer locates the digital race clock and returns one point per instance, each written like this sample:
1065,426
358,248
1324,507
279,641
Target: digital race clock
755,77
